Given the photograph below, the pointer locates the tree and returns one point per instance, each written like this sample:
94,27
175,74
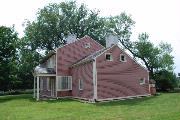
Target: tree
155,58
8,59
55,21
28,59
166,80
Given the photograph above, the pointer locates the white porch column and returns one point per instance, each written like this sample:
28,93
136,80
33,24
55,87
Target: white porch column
34,88
56,82
37,98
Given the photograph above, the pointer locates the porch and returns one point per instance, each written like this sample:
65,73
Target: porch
45,86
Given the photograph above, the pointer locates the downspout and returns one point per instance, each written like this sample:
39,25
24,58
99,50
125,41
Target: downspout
56,75
94,80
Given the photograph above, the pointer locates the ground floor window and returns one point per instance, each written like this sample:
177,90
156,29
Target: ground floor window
142,81
80,84
64,83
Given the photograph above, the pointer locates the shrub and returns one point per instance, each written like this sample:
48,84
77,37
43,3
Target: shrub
165,80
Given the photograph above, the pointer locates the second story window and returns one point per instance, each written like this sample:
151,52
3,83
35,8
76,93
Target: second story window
87,45
122,58
108,56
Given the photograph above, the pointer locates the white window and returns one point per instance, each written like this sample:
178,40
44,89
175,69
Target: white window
108,56
142,81
122,58
87,45
80,84
64,83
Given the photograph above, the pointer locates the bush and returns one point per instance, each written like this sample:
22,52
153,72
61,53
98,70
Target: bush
16,92
165,80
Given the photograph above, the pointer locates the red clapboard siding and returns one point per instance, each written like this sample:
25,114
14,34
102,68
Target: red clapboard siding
119,79
73,52
85,73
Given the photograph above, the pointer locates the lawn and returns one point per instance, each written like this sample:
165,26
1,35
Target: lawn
165,106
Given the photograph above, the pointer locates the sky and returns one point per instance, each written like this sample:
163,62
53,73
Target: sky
159,18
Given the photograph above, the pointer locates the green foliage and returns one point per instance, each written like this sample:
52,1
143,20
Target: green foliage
23,107
154,57
56,21
28,59
166,80
8,58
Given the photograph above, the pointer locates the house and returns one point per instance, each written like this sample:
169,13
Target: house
84,69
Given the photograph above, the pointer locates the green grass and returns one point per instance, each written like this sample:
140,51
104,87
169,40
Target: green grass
22,107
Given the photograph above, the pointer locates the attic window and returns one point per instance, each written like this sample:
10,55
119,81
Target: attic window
122,58
108,56
142,81
87,45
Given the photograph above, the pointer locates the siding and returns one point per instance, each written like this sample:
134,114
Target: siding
73,52
119,79
85,73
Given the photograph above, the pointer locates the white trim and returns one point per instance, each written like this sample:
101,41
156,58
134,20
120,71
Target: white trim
45,75
132,58
80,83
111,56
144,81
78,39
125,60
69,79
34,87
104,51
87,45
37,98
56,81
94,79
127,97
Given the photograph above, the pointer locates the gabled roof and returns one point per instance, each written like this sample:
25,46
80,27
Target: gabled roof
51,53
91,56
42,70
54,51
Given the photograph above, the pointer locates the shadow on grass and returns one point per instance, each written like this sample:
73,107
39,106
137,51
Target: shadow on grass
128,102
29,97
7,98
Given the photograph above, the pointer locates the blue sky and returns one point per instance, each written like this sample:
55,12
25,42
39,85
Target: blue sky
159,18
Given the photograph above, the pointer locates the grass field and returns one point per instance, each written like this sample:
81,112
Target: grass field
165,106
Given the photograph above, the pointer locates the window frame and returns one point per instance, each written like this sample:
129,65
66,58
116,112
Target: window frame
111,57
80,84
120,57
60,80
87,45
144,81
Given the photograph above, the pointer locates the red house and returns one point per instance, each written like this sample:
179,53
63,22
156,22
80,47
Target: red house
86,70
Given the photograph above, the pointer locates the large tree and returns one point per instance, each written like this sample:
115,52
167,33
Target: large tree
55,21
154,57
8,59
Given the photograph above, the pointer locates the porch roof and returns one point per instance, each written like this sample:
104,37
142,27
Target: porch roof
44,71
